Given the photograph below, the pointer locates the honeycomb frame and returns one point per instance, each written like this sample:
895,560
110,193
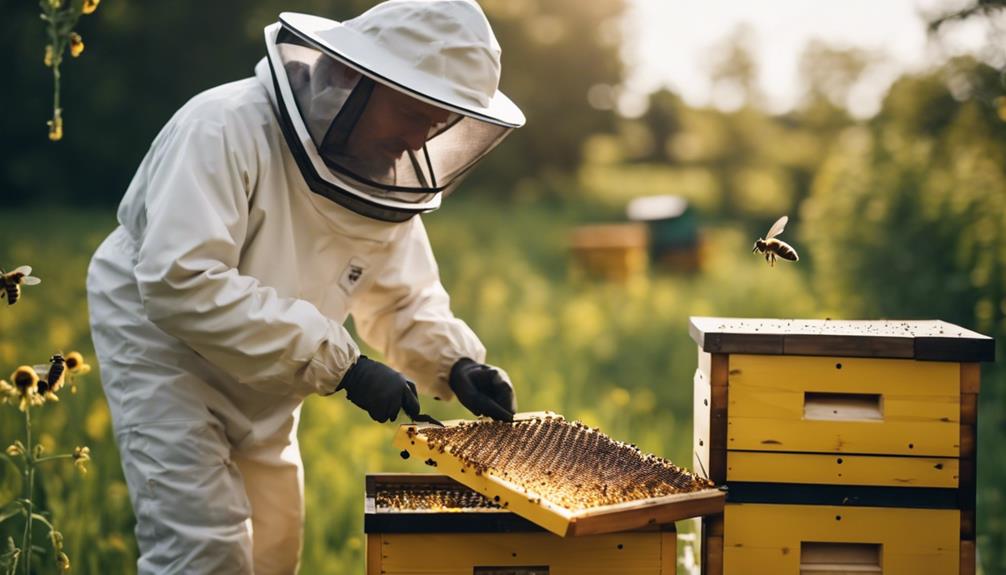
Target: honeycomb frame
542,506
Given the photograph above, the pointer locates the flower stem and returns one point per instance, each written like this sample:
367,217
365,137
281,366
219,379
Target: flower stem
51,457
29,471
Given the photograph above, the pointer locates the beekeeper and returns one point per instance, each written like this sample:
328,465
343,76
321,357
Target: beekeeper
266,212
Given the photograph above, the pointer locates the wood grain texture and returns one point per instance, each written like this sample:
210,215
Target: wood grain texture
932,340
768,395
637,553
822,469
701,397
968,524
917,541
971,375
649,512
968,558
719,366
712,555
669,551
374,554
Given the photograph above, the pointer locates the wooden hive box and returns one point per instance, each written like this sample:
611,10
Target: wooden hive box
845,446
614,252
452,530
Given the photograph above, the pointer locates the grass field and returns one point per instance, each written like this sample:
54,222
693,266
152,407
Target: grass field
614,356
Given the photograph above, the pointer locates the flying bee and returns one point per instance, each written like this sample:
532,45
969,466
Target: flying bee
775,248
11,283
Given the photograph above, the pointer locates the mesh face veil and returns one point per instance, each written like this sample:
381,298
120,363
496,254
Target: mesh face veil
381,148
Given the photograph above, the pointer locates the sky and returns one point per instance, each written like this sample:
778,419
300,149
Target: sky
670,43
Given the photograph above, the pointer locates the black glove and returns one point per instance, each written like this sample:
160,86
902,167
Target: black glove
379,390
483,389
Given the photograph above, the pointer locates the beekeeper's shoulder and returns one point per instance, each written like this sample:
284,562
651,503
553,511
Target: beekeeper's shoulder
238,108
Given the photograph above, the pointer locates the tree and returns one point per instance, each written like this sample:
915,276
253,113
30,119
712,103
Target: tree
147,59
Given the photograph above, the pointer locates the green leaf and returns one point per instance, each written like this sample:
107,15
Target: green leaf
10,481
8,559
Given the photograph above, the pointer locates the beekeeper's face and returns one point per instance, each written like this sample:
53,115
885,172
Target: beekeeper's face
391,124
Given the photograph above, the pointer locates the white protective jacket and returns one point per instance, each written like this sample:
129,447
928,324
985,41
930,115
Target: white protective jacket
220,300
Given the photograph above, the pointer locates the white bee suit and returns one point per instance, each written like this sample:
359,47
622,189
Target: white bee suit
218,305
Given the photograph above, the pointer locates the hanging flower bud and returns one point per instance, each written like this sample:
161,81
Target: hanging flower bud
90,6
48,56
56,127
56,4
8,393
81,455
76,44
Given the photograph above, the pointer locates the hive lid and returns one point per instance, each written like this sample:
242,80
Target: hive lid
563,476
933,340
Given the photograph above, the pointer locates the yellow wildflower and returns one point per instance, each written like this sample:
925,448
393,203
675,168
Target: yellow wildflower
15,449
26,385
76,365
56,3
90,6
81,455
76,44
63,563
49,53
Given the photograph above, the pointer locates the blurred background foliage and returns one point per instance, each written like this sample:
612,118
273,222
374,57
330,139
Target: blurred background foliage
900,215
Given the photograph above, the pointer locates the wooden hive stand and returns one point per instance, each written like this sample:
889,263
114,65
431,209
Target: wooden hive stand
845,446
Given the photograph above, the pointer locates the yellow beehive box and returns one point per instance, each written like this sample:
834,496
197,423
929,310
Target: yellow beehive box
614,252
430,524
875,419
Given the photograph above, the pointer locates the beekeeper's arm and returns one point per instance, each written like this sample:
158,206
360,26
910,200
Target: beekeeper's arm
405,314
198,190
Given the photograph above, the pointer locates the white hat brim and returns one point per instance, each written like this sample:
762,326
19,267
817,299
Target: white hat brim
363,55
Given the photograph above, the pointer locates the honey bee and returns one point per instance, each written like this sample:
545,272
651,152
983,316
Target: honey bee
57,369
11,282
775,248
51,376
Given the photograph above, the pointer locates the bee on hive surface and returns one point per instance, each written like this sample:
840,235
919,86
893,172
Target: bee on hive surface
775,248
10,282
